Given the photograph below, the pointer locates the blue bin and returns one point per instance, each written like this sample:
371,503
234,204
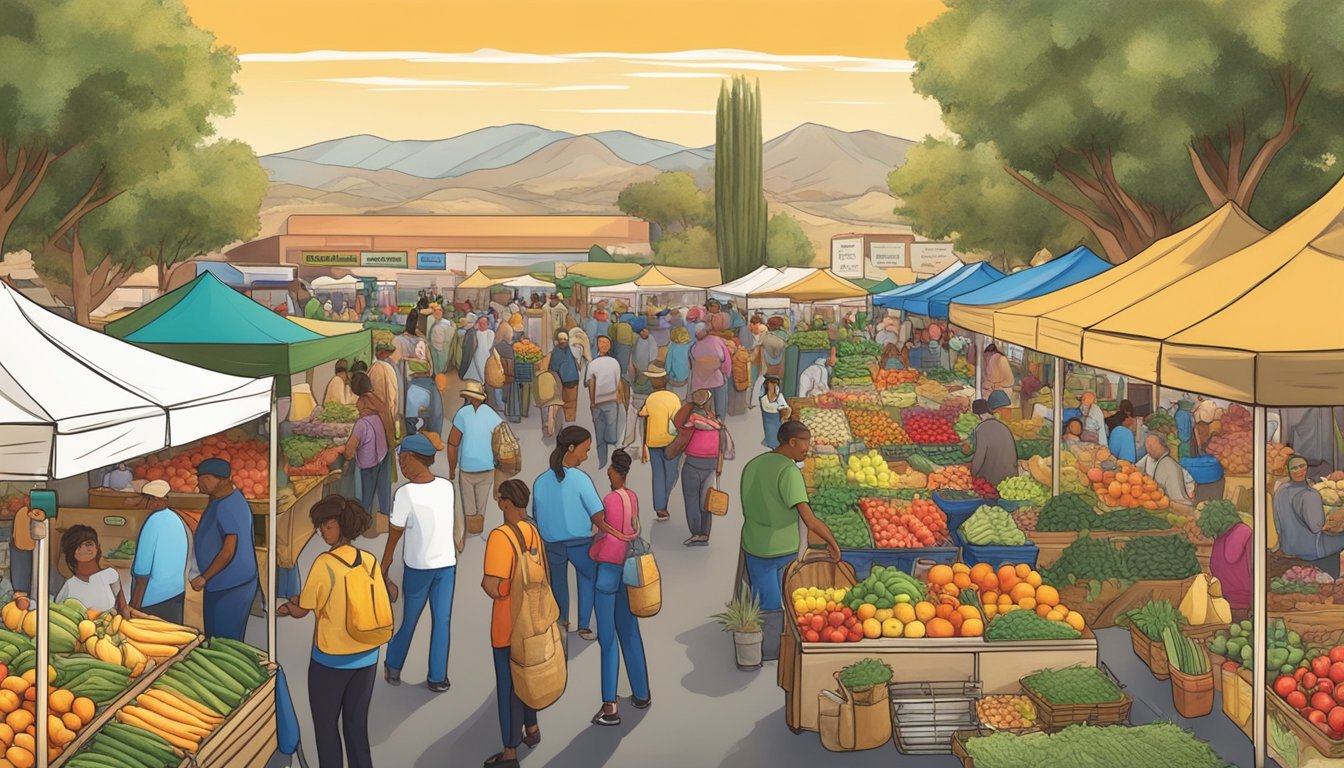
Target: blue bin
952,506
863,560
1204,469
994,556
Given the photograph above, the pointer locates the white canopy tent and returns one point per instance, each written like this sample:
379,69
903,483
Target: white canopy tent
750,283
330,283
73,400
529,282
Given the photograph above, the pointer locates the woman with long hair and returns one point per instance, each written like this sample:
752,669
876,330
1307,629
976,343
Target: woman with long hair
564,501
703,466
617,628
343,667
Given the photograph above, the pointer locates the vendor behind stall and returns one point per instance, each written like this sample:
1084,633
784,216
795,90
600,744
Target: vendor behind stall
1159,464
815,379
159,572
1231,562
995,449
998,374
1122,441
1299,517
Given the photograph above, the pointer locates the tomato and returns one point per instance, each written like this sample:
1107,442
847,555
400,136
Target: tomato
1339,693
1297,673
1335,718
836,619
1323,702
1325,685
1337,672
1309,681
838,636
1317,716
1337,653
818,623
1297,700
1321,666
1284,685
811,636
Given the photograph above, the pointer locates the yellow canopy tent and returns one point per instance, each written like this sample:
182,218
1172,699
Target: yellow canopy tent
1259,326
488,277
819,286
688,276
326,327
1054,323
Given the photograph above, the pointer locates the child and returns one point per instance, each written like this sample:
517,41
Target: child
774,410
99,589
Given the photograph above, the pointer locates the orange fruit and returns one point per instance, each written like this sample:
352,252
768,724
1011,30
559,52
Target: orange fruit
904,613
980,571
972,628
1027,603
1043,610
991,611
866,611
9,701
961,568
1007,577
940,575
989,597
1074,619
968,612
6,735
1034,579
924,611
1047,595
72,721
1023,570
962,580
19,720
941,628
944,611
915,629
1022,591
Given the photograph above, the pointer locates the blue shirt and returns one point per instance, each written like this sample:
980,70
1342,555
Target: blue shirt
1121,444
161,555
637,323
1185,425
564,509
477,425
229,515
678,361
564,365
346,660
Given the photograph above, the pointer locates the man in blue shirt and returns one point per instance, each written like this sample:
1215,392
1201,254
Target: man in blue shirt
224,553
159,571
566,368
471,447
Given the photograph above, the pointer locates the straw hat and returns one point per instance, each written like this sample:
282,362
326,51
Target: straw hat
656,370
473,389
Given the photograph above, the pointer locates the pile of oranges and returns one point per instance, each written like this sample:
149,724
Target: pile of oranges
1010,588
1127,488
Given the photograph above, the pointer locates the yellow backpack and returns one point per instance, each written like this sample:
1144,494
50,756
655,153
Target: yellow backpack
368,608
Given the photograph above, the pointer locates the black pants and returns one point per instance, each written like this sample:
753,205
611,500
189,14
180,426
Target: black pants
344,695
168,610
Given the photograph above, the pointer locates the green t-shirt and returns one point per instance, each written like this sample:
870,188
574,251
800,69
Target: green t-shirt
772,488
313,310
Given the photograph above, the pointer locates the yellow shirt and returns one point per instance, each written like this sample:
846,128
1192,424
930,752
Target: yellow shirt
324,594
660,407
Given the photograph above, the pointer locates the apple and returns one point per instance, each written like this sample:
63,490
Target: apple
1335,718
1323,702
838,636
818,623
847,612
1297,700
1299,672
811,636
1318,717
1337,653
1337,672
1339,693
837,619
1309,681
1321,666
1325,685
1284,685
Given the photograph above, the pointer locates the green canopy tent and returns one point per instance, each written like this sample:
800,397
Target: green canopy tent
209,324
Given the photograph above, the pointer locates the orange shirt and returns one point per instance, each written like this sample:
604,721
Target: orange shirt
499,562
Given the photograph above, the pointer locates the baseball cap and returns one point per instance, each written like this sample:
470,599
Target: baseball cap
419,445
216,467
157,488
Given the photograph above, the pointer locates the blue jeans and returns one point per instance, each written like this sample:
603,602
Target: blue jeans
665,473
767,579
720,400
616,624
20,568
433,586
225,611
770,424
433,421
514,715
561,554
377,479
606,417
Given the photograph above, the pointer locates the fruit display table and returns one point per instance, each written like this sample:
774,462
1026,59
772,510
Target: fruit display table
293,528
806,669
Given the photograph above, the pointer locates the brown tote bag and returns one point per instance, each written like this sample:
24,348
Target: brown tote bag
716,501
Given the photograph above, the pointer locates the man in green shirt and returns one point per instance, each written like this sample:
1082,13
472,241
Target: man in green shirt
306,301
774,499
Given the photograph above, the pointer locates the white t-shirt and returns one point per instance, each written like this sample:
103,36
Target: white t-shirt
98,593
426,511
773,406
606,373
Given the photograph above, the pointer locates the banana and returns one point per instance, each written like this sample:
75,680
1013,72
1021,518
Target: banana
159,625
131,656
91,646
140,634
154,650
30,623
107,651
115,626
87,629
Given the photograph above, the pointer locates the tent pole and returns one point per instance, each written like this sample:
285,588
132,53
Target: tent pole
1258,599
42,595
1057,404
979,364
270,531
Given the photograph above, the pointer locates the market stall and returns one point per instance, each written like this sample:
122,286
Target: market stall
76,400
657,286
974,310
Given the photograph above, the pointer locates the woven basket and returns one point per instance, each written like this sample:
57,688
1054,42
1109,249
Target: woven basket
1154,655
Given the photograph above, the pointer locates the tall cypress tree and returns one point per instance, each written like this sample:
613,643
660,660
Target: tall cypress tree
739,193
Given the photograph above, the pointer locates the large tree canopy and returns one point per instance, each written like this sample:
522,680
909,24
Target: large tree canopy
1132,117
670,200
786,244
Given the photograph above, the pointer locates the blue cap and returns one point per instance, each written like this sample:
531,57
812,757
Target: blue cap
419,445
216,467
998,399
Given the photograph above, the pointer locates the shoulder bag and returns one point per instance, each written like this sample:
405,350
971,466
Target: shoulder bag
643,583
716,501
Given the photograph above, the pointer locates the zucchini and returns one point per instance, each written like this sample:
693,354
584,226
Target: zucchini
251,676
243,649
89,759
139,736
199,693
183,691
210,674
206,679
127,741
127,756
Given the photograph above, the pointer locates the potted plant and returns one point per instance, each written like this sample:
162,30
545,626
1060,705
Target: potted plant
1191,677
742,617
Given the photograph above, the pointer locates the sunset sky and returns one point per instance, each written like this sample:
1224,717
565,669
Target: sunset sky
429,69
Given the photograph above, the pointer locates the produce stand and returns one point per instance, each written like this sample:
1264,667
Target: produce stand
293,528
863,560
247,738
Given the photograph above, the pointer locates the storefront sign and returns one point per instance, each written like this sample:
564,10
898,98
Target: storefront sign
931,258
431,260
330,259
847,257
887,254
385,259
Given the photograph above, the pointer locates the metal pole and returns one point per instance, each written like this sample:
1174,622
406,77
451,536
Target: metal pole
1057,403
1258,598
979,363
270,532
42,595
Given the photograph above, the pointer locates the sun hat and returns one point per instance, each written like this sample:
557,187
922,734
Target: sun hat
473,389
656,370
157,488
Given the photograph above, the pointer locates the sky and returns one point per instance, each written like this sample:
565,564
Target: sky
314,70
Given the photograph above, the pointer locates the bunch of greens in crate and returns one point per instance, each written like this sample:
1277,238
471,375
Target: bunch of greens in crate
1129,520
857,348
1073,686
811,341
1160,557
1066,512
1033,447
1024,625
1216,517
865,674
300,450
1086,559
837,509
1184,654
1111,746
1152,618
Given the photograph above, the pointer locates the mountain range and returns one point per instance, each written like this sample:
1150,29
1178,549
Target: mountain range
832,181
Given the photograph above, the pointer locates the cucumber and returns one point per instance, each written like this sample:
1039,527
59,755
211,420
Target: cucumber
220,676
88,759
199,693
129,757
207,680
158,755
14,638
181,690
140,736
245,650
81,663
250,676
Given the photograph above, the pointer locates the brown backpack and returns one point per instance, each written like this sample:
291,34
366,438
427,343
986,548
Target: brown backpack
536,647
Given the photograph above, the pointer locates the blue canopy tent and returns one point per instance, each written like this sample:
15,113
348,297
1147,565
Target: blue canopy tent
921,302
974,309
886,299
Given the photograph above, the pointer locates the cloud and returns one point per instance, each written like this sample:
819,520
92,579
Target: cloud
850,102
583,88
637,111
482,56
413,82
882,67
678,75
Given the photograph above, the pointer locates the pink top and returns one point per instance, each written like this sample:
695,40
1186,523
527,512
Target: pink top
1231,563
607,548
704,443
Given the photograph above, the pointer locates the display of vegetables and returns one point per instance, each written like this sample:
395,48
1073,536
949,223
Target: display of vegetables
1161,421
315,427
1234,450
1160,557
1033,447
874,428
857,348
828,426
1316,691
1276,458
870,470
955,477
1028,625
822,617
123,551
942,455
337,412
865,674
524,351
1004,712
896,526
319,465
828,472
930,427
811,341
1066,512
1111,746
1130,520
836,508
849,370
1077,685
1127,487
1026,518
1331,489
1215,517
1026,429
1085,559
992,525
1152,618
885,588
1184,654
1286,649
1023,488
249,458
300,449
966,424
1300,579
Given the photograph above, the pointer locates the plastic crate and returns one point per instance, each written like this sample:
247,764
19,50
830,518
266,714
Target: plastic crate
1204,469
956,506
995,555
524,372
863,560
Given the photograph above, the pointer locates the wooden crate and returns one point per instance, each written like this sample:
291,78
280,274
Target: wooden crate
1304,729
1052,717
247,738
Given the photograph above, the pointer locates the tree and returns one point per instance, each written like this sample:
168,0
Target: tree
693,248
786,244
670,199
950,191
1132,117
96,98
739,193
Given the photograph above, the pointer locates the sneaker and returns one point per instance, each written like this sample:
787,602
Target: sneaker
587,634
605,718
641,703
438,687
392,676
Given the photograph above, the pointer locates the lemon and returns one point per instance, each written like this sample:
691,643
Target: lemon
914,629
801,606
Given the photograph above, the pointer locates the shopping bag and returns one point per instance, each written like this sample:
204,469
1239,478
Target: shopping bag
647,598
716,501
630,570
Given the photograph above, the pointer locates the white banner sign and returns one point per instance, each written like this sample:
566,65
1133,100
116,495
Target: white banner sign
931,258
887,254
847,257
